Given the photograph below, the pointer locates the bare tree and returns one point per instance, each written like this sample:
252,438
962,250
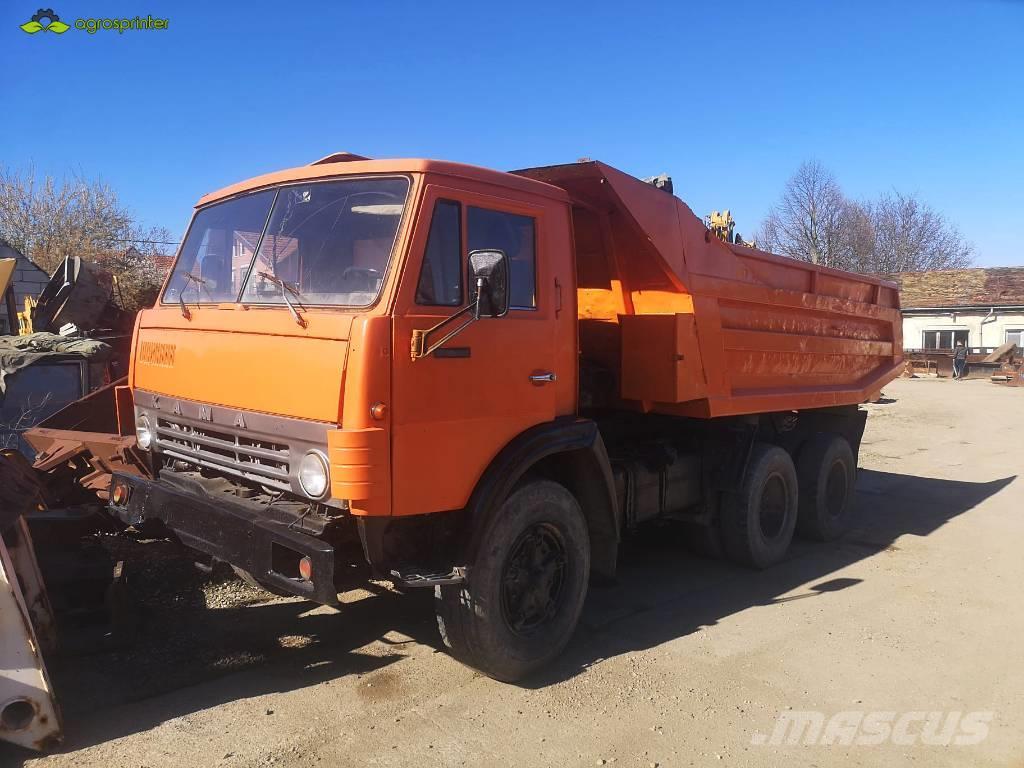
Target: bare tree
808,221
47,220
857,239
814,221
911,236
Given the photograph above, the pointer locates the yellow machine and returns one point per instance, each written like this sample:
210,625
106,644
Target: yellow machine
723,226
17,322
25,318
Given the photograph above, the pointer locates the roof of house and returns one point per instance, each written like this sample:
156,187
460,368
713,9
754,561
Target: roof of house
8,251
994,286
163,262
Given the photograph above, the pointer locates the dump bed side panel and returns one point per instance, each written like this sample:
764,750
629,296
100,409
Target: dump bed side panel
695,326
767,348
780,334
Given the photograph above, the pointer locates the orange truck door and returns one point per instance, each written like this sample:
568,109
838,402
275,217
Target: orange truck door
455,409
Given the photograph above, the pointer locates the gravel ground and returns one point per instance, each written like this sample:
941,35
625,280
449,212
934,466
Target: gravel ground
684,662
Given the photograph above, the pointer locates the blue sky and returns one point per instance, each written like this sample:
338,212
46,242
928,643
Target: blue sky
727,97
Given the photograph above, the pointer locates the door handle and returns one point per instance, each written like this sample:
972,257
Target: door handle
541,378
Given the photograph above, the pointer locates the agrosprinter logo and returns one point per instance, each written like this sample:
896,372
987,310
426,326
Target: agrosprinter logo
92,26
53,23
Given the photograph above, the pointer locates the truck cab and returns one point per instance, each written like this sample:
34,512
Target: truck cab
288,317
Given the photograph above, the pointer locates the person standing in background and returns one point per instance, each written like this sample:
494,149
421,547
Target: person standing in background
959,360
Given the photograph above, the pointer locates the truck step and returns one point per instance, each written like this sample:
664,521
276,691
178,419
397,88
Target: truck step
413,579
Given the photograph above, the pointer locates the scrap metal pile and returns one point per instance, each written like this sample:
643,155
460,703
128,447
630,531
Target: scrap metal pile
1011,365
1002,365
59,384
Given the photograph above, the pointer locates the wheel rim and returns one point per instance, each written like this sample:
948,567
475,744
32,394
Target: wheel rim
533,580
774,506
836,486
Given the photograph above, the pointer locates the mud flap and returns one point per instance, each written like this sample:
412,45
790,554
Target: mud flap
28,712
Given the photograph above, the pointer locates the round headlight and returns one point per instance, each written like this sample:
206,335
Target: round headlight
143,432
313,474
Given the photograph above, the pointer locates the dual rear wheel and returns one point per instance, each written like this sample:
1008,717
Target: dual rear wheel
827,472
778,497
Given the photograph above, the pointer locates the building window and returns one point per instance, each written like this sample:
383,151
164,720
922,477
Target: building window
515,235
441,274
944,339
1015,335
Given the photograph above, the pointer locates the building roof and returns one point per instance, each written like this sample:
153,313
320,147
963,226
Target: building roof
8,251
163,262
950,288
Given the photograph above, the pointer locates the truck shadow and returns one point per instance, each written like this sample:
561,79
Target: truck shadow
663,592
660,596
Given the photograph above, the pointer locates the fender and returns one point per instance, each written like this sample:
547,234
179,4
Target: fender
569,451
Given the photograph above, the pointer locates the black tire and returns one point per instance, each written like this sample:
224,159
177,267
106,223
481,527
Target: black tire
758,520
524,592
827,472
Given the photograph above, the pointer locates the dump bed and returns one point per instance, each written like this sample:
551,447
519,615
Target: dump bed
674,320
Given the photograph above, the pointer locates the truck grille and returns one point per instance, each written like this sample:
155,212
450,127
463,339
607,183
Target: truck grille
261,461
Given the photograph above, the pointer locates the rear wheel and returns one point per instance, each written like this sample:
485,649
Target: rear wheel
758,520
827,473
524,593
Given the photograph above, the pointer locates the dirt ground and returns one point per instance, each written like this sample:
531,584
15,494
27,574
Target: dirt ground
685,661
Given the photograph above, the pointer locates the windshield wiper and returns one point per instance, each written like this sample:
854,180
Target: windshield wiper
181,294
286,288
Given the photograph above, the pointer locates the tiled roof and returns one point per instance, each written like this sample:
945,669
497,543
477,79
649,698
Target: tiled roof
163,262
995,286
8,251
281,246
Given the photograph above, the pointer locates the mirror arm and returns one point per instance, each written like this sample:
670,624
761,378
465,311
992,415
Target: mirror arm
421,346
480,284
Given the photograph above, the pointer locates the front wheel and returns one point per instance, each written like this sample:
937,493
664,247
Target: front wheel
524,592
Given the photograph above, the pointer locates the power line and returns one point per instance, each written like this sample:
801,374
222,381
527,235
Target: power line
139,240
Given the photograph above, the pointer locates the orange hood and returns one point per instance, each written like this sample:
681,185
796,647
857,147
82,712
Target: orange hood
251,359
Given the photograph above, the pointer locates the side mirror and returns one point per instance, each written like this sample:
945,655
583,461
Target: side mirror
488,297
488,271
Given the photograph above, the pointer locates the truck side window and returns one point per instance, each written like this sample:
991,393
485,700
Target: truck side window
515,235
441,274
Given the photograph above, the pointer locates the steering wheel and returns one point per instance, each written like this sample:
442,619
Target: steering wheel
368,275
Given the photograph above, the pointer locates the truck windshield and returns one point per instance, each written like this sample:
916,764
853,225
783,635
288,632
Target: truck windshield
326,242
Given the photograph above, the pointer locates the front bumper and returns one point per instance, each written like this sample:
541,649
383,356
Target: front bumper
234,531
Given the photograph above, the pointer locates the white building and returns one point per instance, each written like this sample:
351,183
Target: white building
984,308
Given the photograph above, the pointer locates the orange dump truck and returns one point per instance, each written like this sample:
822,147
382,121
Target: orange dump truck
479,381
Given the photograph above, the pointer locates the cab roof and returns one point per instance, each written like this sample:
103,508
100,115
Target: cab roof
344,164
